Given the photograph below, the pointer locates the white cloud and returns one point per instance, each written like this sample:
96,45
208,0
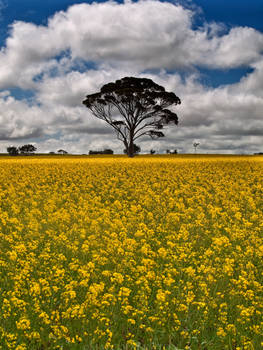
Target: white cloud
145,34
18,119
252,84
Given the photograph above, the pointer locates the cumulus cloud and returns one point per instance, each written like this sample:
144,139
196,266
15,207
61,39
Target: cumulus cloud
13,123
113,40
224,118
145,34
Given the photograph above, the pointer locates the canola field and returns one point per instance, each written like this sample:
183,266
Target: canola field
157,252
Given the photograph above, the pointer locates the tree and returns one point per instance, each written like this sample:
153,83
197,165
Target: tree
12,150
27,149
62,151
134,107
136,149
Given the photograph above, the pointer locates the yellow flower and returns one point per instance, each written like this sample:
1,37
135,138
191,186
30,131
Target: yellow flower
164,245
23,324
21,347
220,332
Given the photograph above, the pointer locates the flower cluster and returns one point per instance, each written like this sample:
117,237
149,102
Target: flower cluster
114,253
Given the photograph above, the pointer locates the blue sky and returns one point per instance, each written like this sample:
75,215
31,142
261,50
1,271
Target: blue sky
209,53
234,12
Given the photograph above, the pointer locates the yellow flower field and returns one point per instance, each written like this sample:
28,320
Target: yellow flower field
155,252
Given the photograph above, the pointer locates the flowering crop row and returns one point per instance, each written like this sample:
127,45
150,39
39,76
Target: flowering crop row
145,253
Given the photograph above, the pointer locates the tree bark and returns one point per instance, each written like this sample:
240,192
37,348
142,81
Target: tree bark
129,147
130,150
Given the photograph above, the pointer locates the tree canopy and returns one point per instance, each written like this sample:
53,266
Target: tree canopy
12,150
134,107
27,149
62,151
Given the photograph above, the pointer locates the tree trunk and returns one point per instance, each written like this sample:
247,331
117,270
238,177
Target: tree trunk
130,149
131,143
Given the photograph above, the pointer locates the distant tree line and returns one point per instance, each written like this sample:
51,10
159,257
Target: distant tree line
22,150
60,151
105,151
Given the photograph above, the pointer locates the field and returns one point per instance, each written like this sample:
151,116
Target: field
157,252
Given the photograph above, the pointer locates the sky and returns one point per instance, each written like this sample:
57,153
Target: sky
55,52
